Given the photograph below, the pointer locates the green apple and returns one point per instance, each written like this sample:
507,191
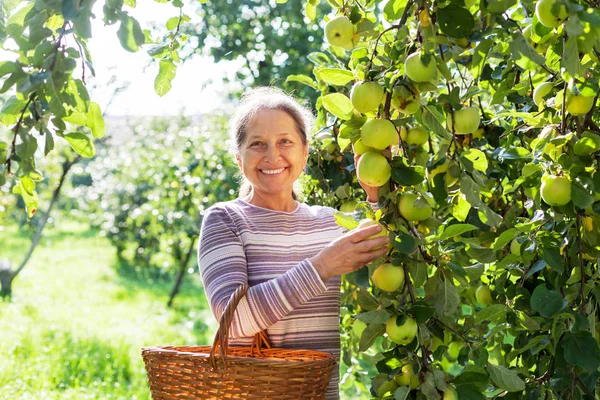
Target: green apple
386,387
466,121
348,206
379,133
373,169
359,148
578,104
405,101
366,96
401,334
542,90
555,190
420,67
339,31
388,277
483,295
414,207
417,136
454,350
358,327
551,13
365,223
450,394
407,377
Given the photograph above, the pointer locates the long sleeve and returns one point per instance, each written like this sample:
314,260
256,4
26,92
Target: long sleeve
223,267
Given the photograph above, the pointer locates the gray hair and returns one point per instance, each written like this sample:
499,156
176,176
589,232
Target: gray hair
266,98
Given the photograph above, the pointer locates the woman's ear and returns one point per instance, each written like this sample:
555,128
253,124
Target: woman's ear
238,160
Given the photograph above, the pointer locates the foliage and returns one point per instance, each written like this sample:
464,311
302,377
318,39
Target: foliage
529,343
150,185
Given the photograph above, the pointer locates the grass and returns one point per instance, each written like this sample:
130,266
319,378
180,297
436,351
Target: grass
74,327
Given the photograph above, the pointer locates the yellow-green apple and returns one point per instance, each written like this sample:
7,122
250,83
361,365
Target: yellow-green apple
483,295
555,190
578,104
542,90
401,334
414,207
373,169
450,394
417,136
420,67
454,350
515,247
359,148
407,377
366,96
551,13
388,277
365,223
378,133
339,31
466,120
405,101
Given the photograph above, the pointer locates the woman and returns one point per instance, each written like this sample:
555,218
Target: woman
290,254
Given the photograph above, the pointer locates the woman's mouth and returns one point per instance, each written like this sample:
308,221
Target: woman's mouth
272,171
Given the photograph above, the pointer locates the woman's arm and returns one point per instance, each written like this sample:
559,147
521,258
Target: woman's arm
223,268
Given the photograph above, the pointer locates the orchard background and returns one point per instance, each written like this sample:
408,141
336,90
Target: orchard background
477,121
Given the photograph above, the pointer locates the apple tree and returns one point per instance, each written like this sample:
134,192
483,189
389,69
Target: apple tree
477,123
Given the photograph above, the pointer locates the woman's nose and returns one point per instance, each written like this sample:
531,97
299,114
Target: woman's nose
272,153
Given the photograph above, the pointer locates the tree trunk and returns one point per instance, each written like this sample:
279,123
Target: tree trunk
181,272
7,276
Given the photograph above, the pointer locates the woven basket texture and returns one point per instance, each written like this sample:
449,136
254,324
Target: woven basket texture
237,372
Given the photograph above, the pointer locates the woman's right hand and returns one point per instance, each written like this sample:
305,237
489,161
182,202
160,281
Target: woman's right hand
350,252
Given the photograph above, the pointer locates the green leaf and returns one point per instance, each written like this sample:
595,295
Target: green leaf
551,254
480,253
393,10
455,21
495,313
456,230
505,378
581,349
374,317
470,392
404,243
166,73
338,105
431,122
130,34
582,192
95,120
308,81
11,110
366,300
345,220
523,53
546,302
504,238
311,9
369,335
81,143
570,57
334,76
418,272
446,295
474,159
407,176
401,393
15,25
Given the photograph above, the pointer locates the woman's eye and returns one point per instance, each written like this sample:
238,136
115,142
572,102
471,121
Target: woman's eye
286,141
255,144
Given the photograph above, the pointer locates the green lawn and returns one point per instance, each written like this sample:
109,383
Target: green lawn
74,328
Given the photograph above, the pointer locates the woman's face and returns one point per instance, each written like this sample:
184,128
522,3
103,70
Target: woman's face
272,156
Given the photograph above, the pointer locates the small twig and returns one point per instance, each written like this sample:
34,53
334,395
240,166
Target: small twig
460,335
16,132
82,61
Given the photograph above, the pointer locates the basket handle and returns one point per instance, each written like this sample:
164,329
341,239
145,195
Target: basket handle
222,336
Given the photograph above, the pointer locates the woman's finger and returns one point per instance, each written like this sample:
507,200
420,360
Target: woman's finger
358,235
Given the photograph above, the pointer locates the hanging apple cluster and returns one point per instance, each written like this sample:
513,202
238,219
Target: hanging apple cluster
477,124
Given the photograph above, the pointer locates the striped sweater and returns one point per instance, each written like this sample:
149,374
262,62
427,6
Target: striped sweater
242,243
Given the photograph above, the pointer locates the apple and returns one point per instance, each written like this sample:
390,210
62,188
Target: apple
358,327
339,31
450,394
478,133
542,90
515,247
555,190
388,277
484,295
414,207
588,223
466,121
551,13
420,69
366,96
578,104
373,169
407,377
385,387
401,334
348,206
417,136
359,148
365,223
405,101
378,133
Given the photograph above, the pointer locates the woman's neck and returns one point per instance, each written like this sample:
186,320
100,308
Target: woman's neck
283,203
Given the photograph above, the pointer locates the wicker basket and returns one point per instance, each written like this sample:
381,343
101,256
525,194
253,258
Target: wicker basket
238,372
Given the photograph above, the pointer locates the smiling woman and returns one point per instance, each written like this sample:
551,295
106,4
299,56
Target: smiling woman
290,254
